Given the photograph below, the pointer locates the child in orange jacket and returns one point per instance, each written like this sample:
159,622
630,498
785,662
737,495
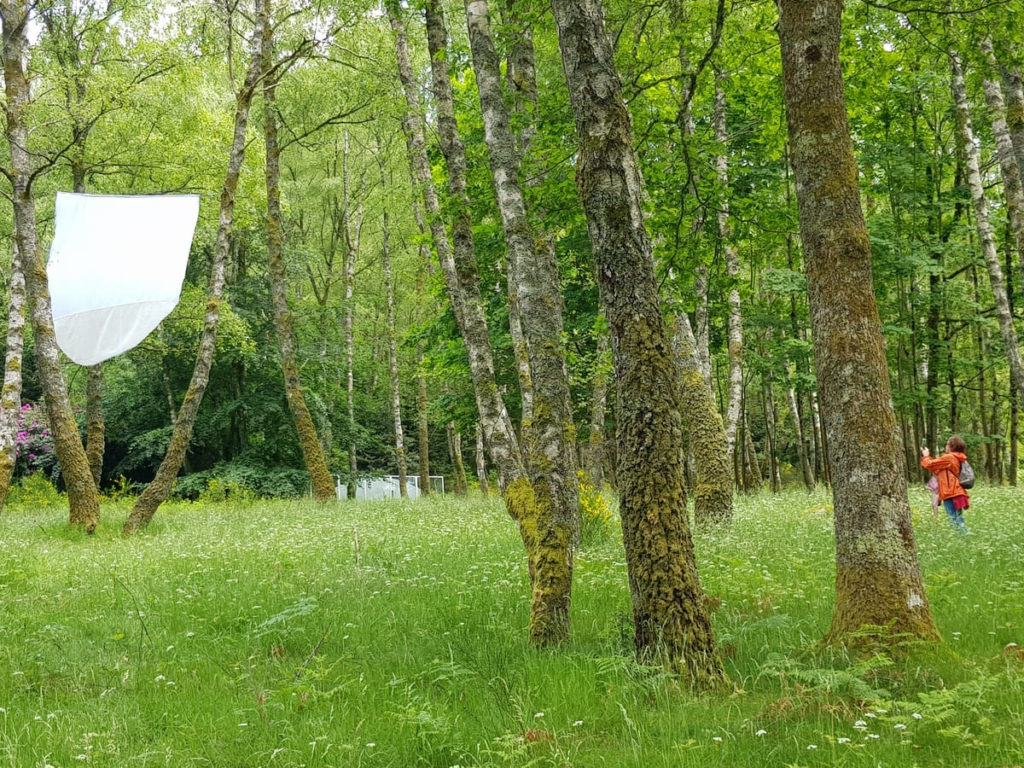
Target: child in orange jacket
946,469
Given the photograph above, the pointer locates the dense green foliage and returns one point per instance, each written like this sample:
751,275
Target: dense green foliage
257,633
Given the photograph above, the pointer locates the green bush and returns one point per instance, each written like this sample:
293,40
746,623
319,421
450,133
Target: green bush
236,479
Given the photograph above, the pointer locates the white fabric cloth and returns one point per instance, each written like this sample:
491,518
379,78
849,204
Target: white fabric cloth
116,267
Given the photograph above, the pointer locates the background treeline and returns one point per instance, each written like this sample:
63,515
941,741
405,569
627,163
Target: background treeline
133,99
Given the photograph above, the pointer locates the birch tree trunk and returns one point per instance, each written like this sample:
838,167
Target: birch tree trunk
312,452
878,576
423,437
987,240
389,290
1014,87
549,620
158,490
551,456
669,614
10,395
455,448
82,494
712,503
1008,167
732,267
352,228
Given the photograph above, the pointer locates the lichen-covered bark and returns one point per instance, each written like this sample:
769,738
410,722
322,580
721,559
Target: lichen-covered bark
389,291
986,238
732,268
1008,169
1013,84
158,490
95,430
82,494
669,615
713,490
551,456
878,576
10,395
312,451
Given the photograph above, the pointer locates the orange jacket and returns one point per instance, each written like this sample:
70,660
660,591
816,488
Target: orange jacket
947,468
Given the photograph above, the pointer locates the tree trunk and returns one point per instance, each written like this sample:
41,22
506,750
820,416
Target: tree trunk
732,266
551,453
82,494
312,452
10,395
389,290
1008,168
95,433
771,448
481,462
712,493
598,399
988,244
1014,87
878,576
669,614
158,490
801,446
352,226
753,477
455,446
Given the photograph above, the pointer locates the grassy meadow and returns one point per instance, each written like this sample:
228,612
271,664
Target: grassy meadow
394,634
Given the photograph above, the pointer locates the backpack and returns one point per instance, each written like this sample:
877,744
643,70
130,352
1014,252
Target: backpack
966,476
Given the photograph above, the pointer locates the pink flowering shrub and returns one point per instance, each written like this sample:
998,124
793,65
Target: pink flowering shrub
34,443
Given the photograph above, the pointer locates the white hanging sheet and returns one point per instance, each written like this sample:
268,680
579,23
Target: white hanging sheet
116,267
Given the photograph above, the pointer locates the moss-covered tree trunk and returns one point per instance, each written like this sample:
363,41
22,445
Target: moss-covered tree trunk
82,494
713,490
878,576
10,394
986,237
669,615
158,490
551,456
1013,84
312,451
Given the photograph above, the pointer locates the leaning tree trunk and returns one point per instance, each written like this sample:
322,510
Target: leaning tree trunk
95,430
158,490
82,495
312,451
1013,84
389,292
984,226
551,454
669,614
878,576
10,395
1008,167
712,503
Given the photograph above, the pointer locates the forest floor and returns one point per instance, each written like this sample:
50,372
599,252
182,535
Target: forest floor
235,635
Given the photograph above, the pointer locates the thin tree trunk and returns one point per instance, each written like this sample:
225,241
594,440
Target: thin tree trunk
389,290
455,446
598,399
10,395
878,575
551,454
801,446
732,267
981,218
669,614
82,494
712,493
352,227
1008,168
481,462
1014,439
158,490
312,452
1014,87
771,448
423,424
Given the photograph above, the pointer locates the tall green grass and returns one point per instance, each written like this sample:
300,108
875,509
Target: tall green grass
262,634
